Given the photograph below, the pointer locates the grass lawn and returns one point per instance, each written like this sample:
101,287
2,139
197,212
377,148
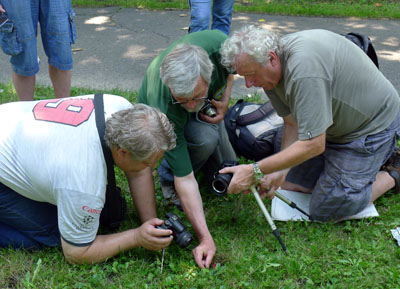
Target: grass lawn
350,254
338,8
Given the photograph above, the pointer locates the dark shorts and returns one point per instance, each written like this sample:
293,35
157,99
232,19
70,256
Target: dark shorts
25,223
342,177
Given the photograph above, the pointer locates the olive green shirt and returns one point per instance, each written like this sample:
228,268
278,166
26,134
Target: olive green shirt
330,85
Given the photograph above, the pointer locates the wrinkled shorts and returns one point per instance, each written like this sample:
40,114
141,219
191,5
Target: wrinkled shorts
342,177
18,35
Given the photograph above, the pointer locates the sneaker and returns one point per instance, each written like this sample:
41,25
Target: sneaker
393,168
169,193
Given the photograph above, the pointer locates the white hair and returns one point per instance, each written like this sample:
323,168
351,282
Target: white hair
252,40
181,68
142,130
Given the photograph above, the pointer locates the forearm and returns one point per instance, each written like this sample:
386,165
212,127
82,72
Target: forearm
227,93
293,151
189,195
103,247
143,195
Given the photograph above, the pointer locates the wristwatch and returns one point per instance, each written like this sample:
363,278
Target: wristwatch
258,175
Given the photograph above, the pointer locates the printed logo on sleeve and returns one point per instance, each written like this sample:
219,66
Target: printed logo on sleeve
91,210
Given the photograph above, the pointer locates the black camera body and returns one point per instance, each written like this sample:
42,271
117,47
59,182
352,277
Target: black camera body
221,182
208,108
179,232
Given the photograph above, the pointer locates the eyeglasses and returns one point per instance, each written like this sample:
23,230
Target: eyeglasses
174,101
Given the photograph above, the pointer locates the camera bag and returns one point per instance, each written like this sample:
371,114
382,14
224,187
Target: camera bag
365,43
255,130
114,210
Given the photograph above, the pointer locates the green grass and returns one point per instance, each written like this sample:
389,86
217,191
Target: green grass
350,254
331,8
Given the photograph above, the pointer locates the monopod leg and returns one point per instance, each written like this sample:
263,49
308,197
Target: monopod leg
268,217
290,203
238,205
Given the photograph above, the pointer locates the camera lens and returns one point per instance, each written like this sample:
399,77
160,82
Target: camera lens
184,239
210,111
220,184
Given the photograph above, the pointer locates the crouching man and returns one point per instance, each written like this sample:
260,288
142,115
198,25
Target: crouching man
53,174
341,117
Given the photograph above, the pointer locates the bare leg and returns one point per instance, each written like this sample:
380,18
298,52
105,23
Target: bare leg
61,80
383,183
295,187
24,85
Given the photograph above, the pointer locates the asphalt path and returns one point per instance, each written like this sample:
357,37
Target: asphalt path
115,45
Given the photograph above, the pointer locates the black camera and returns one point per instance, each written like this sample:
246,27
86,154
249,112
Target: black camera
221,182
179,232
208,108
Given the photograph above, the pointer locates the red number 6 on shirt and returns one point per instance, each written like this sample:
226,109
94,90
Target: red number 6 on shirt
65,111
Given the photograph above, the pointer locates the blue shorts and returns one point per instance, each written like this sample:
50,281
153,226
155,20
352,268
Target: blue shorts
18,35
342,177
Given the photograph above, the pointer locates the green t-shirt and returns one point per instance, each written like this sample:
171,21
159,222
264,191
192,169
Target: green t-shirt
330,85
154,93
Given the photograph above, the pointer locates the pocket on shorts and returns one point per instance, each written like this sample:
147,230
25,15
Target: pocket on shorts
354,184
8,39
71,18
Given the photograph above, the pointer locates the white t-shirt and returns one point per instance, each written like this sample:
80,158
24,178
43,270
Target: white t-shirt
50,151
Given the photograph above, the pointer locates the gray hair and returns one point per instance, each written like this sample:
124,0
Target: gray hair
181,68
252,40
142,130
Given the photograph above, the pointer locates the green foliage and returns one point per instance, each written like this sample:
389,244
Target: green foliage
331,8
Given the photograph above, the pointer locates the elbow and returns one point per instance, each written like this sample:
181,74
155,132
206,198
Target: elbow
75,259
318,147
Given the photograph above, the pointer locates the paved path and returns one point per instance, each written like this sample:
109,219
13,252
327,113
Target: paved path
118,44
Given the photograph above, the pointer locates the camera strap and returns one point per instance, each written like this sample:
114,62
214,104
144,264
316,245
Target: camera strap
101,128
114,209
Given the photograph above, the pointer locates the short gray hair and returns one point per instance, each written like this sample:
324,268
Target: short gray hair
252,40
142,130
181,68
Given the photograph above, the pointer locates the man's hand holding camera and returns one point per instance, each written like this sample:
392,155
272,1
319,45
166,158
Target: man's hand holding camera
221,106
244,176
152,238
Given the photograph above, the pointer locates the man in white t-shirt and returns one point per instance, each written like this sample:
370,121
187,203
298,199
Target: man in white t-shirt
53,174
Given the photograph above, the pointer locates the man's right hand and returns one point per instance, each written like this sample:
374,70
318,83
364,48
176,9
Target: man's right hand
2,9
152,238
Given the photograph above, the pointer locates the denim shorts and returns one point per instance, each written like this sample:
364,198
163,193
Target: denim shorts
18,35
342,177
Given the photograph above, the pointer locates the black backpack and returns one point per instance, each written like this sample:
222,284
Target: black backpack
254,130
365,43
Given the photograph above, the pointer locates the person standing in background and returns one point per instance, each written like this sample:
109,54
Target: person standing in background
200,12
18,39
